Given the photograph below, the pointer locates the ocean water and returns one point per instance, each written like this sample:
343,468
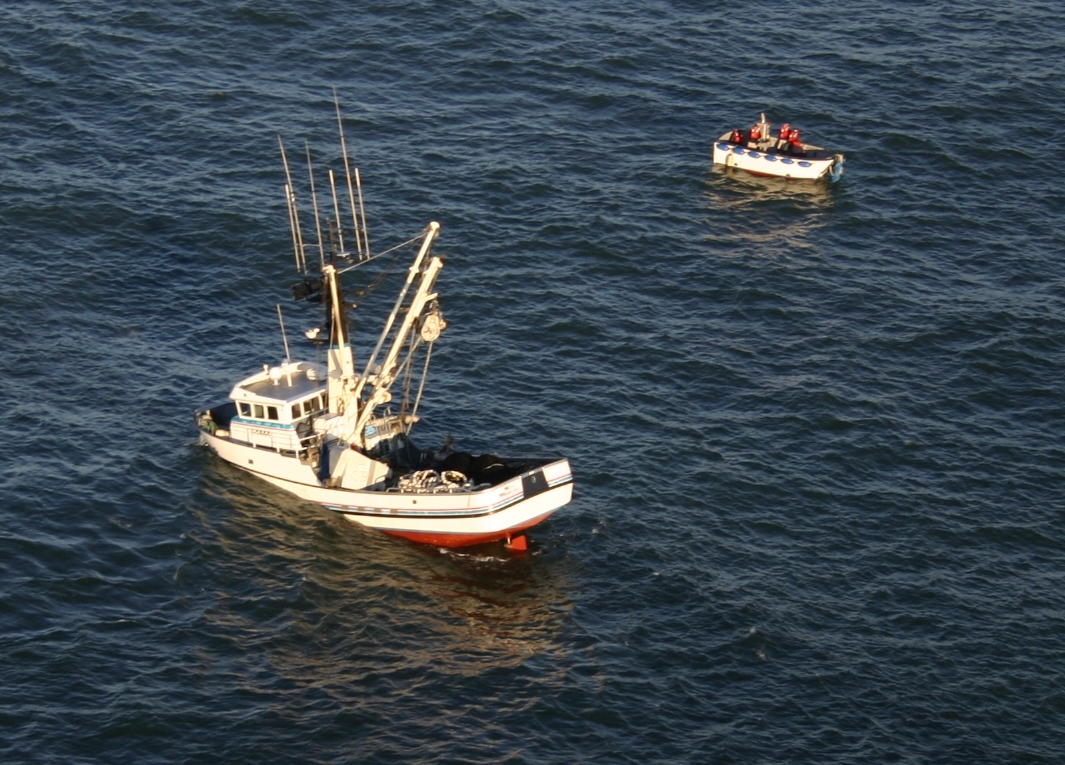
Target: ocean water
816,431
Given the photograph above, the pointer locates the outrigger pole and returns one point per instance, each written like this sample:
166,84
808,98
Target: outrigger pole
293,214
336,211
314,201
356,211
362,214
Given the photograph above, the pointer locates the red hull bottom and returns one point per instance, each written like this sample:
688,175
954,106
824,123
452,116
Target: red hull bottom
767,175
465,540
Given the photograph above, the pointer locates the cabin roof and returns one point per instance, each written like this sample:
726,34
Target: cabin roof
290,386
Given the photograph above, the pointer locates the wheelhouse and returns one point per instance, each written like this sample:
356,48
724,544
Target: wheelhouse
273,408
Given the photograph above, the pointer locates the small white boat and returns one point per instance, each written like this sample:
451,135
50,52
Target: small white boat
760,151
327,433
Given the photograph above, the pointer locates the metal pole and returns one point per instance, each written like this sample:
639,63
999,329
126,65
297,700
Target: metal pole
314,200
347,172
336,209
301,260
362,213
292,224
281,320
434,227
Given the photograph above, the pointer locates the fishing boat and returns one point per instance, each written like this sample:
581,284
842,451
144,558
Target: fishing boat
760,151
332,433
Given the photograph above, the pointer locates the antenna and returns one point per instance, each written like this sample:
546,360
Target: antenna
293,214
314,200
288,358
355,213
362,213
290,199
336,209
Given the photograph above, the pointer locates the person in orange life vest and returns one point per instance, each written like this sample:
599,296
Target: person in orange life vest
736,137
796,144
754,136
785,134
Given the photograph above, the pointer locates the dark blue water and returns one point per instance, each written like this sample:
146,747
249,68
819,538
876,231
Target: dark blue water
816,432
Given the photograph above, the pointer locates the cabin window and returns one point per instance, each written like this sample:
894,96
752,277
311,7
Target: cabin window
245,409
295,411
271,413
259,411
315,403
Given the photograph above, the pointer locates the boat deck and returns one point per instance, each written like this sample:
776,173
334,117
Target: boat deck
810,152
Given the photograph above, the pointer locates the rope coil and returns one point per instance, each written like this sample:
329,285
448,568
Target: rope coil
432,482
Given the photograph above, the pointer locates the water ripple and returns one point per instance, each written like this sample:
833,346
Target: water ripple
815,429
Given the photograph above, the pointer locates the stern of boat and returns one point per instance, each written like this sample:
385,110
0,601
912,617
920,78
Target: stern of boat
456,517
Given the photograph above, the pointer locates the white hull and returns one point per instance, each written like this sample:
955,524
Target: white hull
759,161
448,519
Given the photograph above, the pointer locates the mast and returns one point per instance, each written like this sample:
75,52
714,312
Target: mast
340,357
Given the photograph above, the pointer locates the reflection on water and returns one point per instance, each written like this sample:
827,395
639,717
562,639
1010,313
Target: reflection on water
510,604
771,211
310,589
747,188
